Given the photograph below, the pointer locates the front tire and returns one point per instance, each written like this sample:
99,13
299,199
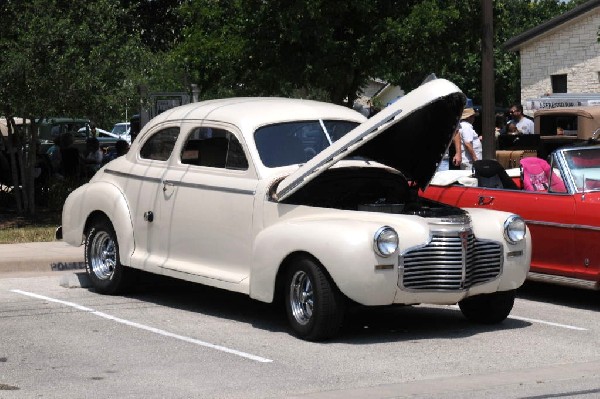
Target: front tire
107,274
488,308
314,305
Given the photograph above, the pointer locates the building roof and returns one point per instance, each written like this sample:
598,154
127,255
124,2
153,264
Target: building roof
515,43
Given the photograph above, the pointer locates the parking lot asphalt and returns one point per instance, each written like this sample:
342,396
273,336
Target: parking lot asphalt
40,257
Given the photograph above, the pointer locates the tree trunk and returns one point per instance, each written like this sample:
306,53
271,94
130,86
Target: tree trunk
14,169
22,177
31,163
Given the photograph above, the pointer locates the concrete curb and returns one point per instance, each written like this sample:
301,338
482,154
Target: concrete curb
75,280
40,257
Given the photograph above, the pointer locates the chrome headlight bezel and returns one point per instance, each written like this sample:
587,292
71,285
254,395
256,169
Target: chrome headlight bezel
515,229
386,241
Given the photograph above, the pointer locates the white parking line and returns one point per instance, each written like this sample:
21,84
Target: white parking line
539,321
548,323
147,328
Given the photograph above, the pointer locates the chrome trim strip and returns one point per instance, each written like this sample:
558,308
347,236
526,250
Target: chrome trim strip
384,267
181,184
562,280
132,176
210,188
563,225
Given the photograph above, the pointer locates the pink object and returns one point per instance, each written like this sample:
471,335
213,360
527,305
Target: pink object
537,176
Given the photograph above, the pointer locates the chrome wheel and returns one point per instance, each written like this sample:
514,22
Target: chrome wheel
301,297
103,255
102,263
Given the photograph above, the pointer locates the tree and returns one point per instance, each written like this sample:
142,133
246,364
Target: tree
156,21
445,38
328,49
72,59
314,48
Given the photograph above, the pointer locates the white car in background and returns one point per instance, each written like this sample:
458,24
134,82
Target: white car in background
300,201
121,130
85,132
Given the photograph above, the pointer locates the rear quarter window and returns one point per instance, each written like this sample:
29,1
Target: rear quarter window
160,145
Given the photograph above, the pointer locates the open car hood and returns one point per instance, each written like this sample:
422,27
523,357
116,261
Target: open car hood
410,135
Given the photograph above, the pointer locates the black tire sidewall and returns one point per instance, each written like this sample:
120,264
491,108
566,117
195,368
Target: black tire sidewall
301,330
325,322
488,308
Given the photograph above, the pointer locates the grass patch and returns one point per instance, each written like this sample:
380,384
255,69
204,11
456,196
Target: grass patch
16,228
14,235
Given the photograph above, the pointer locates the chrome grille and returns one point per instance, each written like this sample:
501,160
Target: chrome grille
451,261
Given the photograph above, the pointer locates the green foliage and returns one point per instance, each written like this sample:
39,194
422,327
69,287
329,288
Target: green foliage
317,48
157,22
65,58
86,58
328,49
71,59
445,38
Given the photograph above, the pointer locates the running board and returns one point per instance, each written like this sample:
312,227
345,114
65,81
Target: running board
569,281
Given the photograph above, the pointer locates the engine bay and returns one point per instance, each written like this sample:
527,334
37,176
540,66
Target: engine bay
370,189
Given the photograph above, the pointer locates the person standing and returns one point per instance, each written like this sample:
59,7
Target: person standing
54,155
471,143
524,125
93,158
93,131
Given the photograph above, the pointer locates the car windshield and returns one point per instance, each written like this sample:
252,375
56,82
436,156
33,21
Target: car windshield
292,143
120,129
584,166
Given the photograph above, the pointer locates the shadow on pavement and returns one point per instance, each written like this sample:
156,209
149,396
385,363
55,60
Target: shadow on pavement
573,297
363,325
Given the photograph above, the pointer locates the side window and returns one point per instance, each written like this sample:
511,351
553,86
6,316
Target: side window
236,159
159,146
214,148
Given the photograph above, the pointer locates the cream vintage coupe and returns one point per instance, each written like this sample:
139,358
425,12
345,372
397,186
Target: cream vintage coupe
300,201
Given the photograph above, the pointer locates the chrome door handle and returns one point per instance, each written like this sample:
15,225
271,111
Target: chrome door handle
149,216
167,183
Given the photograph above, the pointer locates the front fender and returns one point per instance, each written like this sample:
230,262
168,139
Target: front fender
343,247
94,198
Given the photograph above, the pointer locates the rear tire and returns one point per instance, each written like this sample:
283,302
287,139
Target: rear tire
314,305
107,274
488,308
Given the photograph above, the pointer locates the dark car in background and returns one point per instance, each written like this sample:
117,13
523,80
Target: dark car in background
51,128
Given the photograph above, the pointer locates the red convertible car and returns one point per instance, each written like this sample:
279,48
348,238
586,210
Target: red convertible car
560,202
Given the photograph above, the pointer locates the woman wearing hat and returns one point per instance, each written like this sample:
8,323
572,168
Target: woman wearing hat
471,143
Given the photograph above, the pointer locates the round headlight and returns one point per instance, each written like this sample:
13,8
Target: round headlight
514,229
386,241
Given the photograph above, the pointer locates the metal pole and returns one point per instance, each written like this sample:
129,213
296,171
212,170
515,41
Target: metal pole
488,103
195,92
144,117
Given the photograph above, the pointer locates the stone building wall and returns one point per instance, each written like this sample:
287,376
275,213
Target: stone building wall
571,49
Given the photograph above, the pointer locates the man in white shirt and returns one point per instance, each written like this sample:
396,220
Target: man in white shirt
471,143
524,125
